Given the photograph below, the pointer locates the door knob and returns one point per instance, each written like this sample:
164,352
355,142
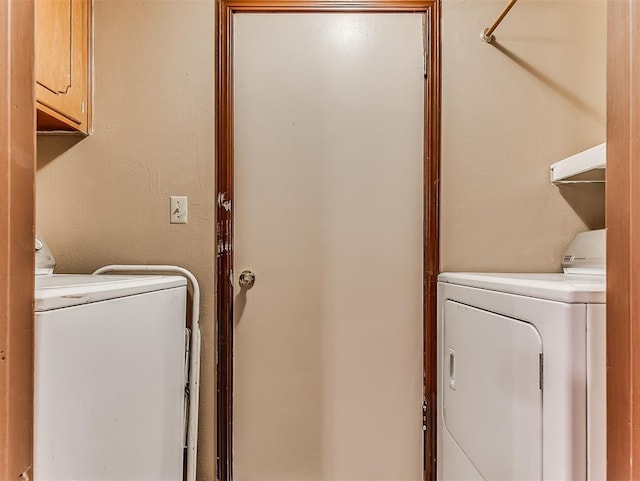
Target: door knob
247,279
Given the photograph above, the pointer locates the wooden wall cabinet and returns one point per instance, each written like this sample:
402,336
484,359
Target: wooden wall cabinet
63,65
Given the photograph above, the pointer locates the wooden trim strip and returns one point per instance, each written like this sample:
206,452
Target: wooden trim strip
623,241
224,192
224,244
17,171
432,238
320,6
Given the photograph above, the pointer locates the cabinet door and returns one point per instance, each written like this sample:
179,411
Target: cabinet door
61,61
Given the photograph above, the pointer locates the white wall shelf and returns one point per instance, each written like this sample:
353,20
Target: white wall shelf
586,167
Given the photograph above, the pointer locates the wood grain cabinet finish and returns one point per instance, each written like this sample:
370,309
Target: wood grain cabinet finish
62,65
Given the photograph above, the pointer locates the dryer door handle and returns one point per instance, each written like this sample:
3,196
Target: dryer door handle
452,369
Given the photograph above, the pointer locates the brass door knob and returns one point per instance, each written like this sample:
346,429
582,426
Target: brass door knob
247,279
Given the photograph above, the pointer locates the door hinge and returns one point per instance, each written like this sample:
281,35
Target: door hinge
426,411
541,371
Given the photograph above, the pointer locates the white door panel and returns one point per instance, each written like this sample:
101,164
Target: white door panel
456,466
492,396
328,153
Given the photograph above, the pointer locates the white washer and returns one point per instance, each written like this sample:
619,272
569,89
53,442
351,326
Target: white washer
109,377
521,373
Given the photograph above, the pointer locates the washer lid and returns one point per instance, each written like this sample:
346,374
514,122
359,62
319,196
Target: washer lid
555,287
66,290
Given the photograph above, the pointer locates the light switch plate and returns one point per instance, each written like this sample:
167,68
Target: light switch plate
178,209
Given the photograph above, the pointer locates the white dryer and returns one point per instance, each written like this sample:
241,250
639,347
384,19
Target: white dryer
109,377
521,372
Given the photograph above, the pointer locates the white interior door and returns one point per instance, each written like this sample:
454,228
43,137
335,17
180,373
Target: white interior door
328,209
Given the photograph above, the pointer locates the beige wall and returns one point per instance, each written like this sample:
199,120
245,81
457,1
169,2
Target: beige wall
105,199
508,111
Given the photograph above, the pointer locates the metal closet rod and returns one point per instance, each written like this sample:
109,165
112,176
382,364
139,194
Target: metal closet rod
487,34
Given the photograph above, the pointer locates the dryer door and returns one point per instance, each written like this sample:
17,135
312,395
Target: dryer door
492,392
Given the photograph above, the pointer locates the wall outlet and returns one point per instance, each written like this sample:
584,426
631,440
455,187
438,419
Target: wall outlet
178,209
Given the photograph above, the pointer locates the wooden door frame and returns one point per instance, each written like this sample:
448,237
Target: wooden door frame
224,195
17,172
623,240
